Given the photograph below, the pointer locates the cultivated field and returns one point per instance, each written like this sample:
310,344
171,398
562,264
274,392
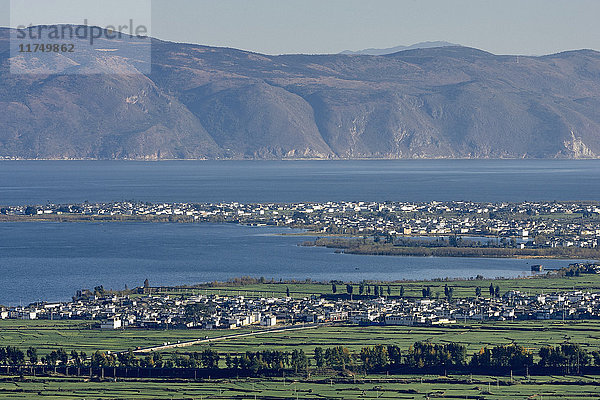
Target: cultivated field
78,335
427,387
462,288
532,335
51,335
85,336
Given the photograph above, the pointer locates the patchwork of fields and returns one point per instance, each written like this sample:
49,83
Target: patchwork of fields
418,388
532,335
462,288
77,335
47,336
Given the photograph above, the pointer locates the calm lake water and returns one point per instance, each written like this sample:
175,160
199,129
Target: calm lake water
38,182
51,261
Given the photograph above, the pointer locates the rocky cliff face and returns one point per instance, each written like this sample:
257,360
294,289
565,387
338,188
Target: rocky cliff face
210,103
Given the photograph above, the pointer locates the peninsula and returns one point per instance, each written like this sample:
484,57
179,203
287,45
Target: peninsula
445,229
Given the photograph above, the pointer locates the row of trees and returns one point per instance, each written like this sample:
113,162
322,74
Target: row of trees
269,361
364,289
426,293
380,357
576,270
205,359
569,356
13,356
566,357
505,356
250,362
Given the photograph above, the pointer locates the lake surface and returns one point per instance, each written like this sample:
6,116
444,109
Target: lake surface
50,261
39,182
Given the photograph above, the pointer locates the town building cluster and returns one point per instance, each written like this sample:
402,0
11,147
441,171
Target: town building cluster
224,312
528,224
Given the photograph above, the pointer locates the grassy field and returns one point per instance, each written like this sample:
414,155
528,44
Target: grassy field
462,288
77,335
83,336
532,335
457,387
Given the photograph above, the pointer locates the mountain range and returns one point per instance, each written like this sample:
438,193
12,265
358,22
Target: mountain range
391,50
203,102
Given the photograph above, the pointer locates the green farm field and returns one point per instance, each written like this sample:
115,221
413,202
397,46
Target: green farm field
427,387
85,336
532,335
77,335
51,335
462,288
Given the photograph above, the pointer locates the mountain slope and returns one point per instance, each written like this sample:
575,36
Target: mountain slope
391,50
211,103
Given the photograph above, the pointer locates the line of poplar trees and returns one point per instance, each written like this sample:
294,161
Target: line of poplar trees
566,357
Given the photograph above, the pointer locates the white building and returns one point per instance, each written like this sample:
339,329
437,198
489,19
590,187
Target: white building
268,320
112,323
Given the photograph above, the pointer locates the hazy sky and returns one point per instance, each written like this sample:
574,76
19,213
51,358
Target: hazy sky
330,26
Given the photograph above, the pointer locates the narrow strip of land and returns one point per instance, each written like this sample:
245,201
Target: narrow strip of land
369,247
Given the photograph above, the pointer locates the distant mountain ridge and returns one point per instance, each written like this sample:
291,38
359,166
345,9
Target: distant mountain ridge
203,102
396,49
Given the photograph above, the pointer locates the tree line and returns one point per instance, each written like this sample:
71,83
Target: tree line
566,358
426,292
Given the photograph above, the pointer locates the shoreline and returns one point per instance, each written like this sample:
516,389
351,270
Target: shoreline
150,159
558,253
341,243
